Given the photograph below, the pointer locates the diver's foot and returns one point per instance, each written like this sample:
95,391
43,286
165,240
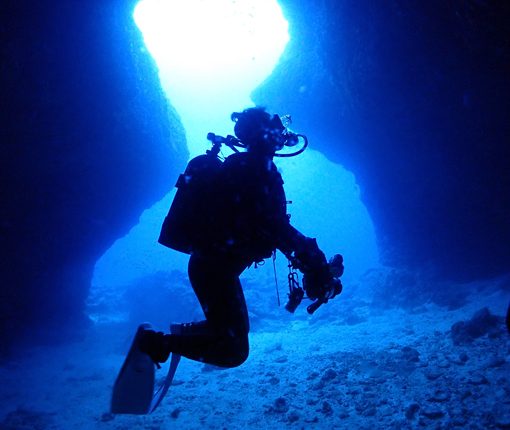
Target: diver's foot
155,344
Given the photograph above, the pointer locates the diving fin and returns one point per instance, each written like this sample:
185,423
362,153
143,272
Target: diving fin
133,391
134,386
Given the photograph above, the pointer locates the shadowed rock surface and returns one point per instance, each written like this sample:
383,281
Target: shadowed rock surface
87,143
414,98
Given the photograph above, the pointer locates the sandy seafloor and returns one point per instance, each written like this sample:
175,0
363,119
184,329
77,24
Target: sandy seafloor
390,369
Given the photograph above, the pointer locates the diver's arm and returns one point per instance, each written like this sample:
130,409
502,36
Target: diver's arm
303,251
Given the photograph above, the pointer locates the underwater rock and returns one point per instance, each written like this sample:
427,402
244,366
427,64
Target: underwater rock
477,379
311,401
403,363
410,354
326,378
502,418
326,408
433,374
458,416
370,411
343,412
411,409
25,419
365,407
432,412
292,417
483,322
495,362
107,416
329,375
274,380
507,319
440,396
312,375
273,348
461,359
280,406
465,394
312,420
175,413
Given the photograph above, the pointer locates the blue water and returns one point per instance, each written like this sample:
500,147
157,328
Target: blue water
406,110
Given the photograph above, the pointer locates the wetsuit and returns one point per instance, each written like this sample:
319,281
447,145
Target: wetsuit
250,223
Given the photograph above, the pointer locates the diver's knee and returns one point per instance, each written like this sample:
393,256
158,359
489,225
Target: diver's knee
241,356
239,350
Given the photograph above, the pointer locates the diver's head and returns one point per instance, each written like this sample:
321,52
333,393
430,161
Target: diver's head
261,132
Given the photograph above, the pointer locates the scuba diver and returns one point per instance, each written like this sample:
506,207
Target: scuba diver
228,215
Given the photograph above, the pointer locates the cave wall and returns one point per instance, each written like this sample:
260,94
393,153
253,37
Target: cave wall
87,143
415,96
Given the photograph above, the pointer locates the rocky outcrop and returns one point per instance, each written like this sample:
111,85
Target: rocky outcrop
87,143
414,98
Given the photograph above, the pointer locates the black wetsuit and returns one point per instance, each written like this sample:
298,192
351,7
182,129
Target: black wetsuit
250,223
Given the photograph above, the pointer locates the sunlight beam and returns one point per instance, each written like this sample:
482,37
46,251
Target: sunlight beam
211,55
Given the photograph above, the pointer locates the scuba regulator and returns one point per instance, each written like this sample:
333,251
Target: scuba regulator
258,131
288,139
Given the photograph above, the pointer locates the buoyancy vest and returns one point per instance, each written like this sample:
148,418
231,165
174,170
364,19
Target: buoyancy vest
236,206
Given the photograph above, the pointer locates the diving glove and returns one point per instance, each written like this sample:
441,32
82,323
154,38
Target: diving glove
323,283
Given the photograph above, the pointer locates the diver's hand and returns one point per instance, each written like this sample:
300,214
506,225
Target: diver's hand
332,289
315,283
323,291
323,282
336,265
322,285
309,259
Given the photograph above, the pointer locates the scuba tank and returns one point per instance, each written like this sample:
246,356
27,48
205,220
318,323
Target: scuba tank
190,219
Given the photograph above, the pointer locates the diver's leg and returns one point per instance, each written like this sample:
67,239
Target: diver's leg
215,280
222,339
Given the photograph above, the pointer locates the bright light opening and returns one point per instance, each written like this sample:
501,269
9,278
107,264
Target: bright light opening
211,55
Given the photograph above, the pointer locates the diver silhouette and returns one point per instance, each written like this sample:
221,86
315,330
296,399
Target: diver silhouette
229,215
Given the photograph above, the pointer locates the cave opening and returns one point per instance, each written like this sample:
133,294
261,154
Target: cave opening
211,58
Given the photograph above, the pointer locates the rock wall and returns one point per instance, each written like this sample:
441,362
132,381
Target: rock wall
416,97
87,143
